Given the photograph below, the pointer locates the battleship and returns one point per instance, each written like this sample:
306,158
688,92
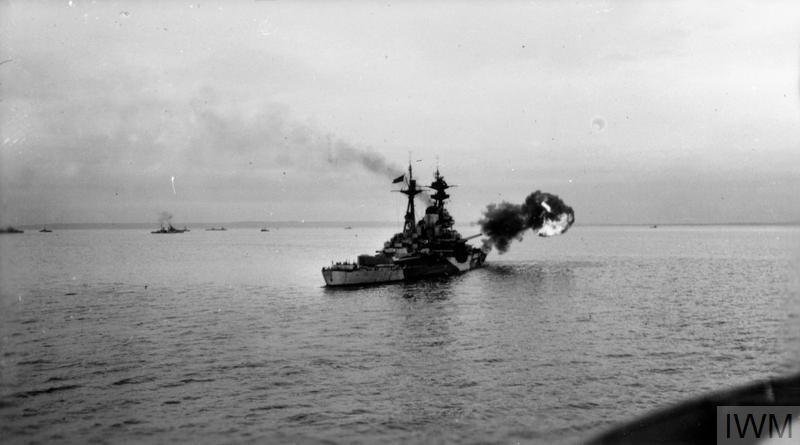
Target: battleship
426,248
167,228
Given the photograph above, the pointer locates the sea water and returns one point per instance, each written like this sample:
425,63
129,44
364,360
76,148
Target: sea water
112,336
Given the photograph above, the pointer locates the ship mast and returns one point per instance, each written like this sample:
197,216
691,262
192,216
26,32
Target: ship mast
410,191
440,186
445,221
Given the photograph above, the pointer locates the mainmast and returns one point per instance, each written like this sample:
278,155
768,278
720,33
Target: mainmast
410,191
440,186
445,221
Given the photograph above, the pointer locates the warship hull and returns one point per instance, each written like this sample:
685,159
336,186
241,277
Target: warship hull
403,270
362,275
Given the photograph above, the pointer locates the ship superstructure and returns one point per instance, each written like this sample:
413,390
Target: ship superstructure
167,228
426,248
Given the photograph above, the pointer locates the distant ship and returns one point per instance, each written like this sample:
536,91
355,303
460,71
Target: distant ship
45,230
215,229
10,229
168,229
264,229
428,248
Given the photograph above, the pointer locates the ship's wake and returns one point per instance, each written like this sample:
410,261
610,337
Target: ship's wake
543,213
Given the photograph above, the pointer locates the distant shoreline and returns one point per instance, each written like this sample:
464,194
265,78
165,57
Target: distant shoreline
353,224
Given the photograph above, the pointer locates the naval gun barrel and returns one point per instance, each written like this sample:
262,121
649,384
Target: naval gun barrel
473,236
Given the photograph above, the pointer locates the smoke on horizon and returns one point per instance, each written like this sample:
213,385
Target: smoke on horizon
165,218
544,213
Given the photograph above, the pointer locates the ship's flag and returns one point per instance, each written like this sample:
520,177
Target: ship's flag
399,179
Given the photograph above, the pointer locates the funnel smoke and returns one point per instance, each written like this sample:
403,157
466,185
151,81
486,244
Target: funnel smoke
165,218
543,213
369,160
272,136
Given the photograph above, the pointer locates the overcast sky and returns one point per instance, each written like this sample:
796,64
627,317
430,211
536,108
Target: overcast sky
632,112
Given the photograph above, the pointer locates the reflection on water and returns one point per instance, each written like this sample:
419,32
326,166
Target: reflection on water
114,335
537,277
431,290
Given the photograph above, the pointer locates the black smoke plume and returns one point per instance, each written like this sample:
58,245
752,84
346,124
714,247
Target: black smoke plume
344,153
371,161
544,213
272,136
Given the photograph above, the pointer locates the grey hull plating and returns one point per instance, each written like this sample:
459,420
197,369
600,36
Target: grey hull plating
408,270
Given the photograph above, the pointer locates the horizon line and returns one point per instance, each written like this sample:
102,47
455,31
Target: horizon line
335,223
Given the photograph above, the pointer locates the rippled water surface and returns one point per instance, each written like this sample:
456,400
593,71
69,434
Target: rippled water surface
123,336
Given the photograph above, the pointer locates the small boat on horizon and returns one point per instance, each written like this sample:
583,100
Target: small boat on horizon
215,229
264,229
10,229
45,230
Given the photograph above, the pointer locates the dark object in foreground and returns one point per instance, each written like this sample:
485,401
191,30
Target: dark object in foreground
426,248
695,421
